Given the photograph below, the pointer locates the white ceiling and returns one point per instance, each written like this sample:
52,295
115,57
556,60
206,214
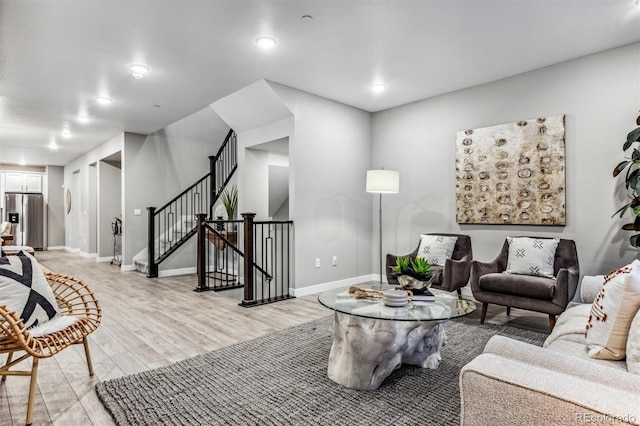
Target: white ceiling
56,56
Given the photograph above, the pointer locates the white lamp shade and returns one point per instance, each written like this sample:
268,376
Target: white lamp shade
383,181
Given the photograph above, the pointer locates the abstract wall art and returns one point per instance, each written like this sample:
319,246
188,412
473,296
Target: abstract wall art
512,173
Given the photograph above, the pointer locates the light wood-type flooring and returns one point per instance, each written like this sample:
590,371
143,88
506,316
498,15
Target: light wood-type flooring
148,323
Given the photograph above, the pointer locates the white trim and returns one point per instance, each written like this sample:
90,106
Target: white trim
72,250
56,248
104,259
87,255
174,272
127,268
319,288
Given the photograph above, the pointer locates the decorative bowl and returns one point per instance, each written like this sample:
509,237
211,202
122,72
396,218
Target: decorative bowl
415,285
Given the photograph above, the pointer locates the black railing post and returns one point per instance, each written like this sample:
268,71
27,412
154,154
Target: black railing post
212,184
152,271
201,259
248,258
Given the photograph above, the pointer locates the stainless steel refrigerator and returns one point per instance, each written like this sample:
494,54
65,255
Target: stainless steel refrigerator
25,212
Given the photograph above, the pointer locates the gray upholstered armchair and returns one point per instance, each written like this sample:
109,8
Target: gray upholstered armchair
453,275
535,293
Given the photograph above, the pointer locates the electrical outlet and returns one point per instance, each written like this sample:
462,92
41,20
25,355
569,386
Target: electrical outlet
334,262
317,262
137,212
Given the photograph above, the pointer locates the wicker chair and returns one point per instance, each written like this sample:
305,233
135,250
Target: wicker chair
74,298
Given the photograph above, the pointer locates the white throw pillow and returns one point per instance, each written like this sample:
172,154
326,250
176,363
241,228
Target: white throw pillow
633,346
612,312
25,290
531,256
590,287
435,249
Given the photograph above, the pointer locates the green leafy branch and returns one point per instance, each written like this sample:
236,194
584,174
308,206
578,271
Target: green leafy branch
632,183
417,268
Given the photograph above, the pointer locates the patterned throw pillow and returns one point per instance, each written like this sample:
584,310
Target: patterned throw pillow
435,249
612,313
633,346
25,290
531,256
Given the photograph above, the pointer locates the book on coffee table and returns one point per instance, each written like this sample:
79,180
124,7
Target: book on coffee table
426,296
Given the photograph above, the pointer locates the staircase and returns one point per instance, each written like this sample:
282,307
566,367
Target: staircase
164,243
173,224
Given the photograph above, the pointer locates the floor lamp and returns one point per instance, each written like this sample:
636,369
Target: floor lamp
382,182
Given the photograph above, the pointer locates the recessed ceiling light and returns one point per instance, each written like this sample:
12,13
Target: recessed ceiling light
138,71
104,100
83,119
65,133
139,68
266,42
53,146
307,18
378,87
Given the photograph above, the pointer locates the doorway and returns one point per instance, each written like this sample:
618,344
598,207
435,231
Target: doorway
267,179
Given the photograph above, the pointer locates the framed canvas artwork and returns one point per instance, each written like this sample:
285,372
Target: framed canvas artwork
512,173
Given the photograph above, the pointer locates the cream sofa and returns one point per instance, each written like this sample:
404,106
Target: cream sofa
513,382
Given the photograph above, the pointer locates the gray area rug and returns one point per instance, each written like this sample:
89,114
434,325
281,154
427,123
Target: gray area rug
280,379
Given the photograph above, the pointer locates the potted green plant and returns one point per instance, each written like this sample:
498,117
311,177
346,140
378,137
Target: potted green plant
413,274
229,198
632,183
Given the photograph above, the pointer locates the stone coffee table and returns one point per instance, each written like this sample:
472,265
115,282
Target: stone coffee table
370,340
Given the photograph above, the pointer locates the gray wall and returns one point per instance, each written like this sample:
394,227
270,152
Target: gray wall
77,222
55,206
599,94
155,168
256,183
92,209
160,166
329,154
142,186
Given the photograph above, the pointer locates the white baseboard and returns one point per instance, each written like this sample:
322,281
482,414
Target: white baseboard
319,288
174,272
56,248
127,268
72,250
104,259
88,255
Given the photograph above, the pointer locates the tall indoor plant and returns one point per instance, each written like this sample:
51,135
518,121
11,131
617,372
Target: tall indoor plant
632,182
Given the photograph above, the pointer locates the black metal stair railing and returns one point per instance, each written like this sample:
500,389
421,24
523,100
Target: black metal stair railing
253,255
269,280
222,167
173,224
